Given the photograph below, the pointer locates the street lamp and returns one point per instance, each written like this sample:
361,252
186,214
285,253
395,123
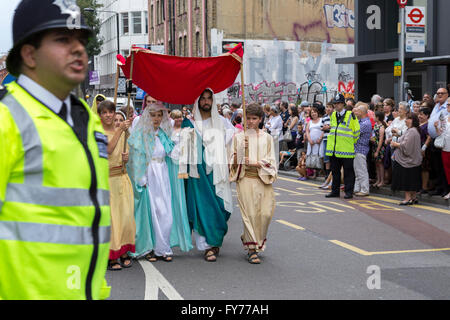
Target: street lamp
117,23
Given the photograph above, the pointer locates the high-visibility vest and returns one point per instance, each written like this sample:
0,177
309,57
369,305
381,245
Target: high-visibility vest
54,204
343,136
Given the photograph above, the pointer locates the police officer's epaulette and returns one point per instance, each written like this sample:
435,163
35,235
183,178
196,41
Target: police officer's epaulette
353,116
3,92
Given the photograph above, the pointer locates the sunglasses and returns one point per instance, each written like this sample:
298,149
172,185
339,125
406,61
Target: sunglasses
441,93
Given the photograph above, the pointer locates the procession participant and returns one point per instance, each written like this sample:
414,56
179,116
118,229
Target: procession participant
97,100
54,198
208,192
123,226
119,119
160,204
254,176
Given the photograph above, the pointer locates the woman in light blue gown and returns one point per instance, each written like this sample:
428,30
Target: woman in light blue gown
160,203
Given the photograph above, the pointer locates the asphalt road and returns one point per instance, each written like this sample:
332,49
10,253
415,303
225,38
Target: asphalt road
364,248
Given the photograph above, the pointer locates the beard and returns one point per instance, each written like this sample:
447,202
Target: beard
205,107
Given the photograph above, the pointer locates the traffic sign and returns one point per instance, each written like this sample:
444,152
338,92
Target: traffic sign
397,69
402,3
415,19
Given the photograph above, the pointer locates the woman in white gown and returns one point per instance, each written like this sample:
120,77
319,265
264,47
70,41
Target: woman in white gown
157,188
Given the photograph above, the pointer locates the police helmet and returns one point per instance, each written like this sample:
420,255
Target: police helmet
34,16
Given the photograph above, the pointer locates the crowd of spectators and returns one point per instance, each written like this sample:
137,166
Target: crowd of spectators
404,145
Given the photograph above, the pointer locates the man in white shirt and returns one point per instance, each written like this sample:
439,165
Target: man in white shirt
439,112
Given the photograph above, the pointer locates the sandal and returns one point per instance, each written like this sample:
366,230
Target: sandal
123,260
166,258
151,257
253,258
112,264
211,255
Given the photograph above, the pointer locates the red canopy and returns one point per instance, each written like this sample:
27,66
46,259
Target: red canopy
181,80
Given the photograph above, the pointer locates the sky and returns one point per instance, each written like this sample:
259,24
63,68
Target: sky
6,17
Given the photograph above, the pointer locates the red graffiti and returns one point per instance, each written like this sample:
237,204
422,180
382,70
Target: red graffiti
347,88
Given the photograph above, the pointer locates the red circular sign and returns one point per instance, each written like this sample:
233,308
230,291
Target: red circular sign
416,15
402,3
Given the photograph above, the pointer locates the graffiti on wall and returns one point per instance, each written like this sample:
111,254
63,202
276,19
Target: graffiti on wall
346,83
269,93
339,16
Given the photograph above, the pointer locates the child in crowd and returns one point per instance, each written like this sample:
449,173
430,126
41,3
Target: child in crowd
301,167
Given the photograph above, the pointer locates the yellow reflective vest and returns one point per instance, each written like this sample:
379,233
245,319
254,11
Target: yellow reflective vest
343,136
54,203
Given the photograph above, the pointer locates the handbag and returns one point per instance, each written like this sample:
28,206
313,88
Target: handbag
313,162
287,136
439,142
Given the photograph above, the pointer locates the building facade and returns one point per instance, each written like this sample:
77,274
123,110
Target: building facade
377,49
133,30
290,45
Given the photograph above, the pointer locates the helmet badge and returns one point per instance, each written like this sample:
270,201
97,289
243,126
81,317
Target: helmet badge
71,8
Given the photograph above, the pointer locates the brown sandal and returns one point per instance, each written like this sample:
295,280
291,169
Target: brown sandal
151,257
211,254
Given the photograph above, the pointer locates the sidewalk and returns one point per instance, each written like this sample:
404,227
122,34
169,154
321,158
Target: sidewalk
386,191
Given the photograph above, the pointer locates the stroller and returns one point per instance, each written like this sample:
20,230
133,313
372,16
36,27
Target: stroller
290,162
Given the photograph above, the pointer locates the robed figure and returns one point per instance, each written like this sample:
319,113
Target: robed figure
203,163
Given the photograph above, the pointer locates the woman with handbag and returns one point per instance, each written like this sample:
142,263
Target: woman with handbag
443,142
314,136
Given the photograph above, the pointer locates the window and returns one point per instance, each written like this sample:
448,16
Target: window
146,21
137,22
180,46
185,53
197,43
125,27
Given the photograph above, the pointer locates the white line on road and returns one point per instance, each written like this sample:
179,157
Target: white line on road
154,281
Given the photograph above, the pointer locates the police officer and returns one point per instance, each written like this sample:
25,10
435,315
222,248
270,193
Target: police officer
344,134
54,194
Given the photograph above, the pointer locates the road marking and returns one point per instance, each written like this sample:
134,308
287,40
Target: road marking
414,206
297,181
368,253
154,281
376,198
290,225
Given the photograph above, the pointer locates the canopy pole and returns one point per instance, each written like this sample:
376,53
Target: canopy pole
117,84
129,88
244,110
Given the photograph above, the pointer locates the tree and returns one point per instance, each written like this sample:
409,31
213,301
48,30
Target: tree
95,42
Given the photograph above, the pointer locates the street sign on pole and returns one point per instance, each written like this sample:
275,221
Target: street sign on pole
397,69
415,29
402,3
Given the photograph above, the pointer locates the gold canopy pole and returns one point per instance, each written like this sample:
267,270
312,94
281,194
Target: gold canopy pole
129,83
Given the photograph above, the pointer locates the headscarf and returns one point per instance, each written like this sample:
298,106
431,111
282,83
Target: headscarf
215,153
94,103
142,140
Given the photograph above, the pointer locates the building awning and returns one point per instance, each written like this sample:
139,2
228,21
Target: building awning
436,60
378,57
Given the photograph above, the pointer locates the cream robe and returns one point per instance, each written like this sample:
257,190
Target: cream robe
256,197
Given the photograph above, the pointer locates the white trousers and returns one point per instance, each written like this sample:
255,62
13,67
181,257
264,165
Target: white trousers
200,242
361,174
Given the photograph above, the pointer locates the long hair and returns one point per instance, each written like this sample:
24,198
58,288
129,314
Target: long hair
380,116
415,121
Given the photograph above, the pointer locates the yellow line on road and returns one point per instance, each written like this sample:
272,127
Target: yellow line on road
352,248
414,206
376,198
368,253
298,181
290,225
